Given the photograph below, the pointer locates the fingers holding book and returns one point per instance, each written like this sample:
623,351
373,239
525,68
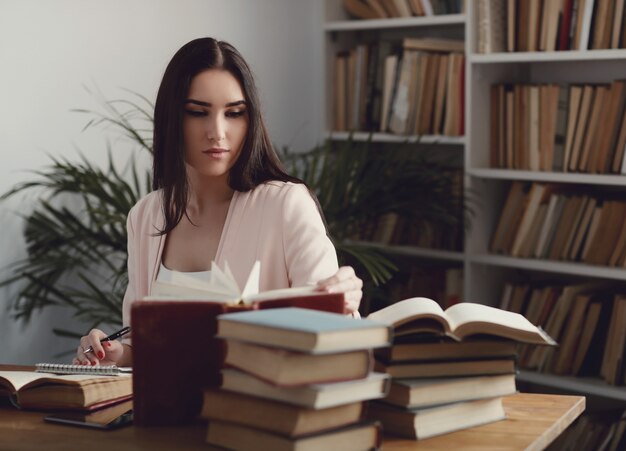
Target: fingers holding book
344,281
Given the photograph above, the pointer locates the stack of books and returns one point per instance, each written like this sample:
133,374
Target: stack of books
296,378
450,369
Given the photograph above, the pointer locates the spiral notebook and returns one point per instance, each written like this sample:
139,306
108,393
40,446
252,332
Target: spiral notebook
59,368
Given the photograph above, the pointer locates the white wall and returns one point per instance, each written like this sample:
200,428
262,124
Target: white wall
51,50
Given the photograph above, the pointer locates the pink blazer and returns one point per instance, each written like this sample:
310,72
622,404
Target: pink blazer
277,223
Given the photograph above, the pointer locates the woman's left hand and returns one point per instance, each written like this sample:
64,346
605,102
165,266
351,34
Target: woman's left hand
344,281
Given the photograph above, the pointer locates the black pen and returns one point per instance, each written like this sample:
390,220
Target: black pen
113,336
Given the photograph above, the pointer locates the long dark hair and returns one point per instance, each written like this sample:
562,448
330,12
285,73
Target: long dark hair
257,163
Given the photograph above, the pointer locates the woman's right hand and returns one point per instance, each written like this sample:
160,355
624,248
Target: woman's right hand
107,353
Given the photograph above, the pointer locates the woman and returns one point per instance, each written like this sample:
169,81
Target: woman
221,195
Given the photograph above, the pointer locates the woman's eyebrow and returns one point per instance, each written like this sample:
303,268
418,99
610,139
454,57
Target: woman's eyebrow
207,104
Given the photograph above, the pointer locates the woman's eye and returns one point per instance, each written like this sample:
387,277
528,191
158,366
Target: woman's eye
235,114
196,113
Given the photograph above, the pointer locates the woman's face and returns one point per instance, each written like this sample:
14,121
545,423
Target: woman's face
215,122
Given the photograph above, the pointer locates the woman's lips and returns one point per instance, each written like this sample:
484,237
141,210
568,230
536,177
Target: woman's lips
215,152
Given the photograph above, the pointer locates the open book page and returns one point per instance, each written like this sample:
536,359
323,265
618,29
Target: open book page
468,318
411,309
220,286
19,379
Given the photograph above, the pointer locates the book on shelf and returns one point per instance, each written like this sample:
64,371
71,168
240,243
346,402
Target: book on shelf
363,436
303,330
459,321
424,423
474,367
491,25
360,9
276,417
535,25
45,391
421,393
445,349
314,396
288,368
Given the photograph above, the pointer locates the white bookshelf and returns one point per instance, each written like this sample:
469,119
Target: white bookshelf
485,273
391,138
552,177
588,385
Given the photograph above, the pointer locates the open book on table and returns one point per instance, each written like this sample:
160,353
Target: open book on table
36,390
222,287
423,315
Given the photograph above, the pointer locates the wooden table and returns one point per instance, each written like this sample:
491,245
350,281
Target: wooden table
533,422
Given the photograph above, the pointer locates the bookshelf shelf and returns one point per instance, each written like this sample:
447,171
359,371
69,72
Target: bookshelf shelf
433,254
374,24
391,138
542,57
582,385
556,177
552,266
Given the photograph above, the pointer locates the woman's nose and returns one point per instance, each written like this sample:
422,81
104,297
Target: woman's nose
216,130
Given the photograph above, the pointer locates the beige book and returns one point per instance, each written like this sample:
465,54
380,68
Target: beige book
548,124
583,28
581,232
453,99
423,423
506,224
422,393
575,96
571,335
391,64
619,247
403,8
541,356
618,23
510,128
434,44
460,320
601,28
351,89
341,67
440,96
276,417
314,396
360,9
428,99
511,21
576,223
534,199
401,102
620,146
548,224
531,240
616,341
356,437
581,127
533,128
611,234
565,226
534,25
406,370
590,323
377,6
416,7
38,390
491,25
609,130
592,230
522,114
594,126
